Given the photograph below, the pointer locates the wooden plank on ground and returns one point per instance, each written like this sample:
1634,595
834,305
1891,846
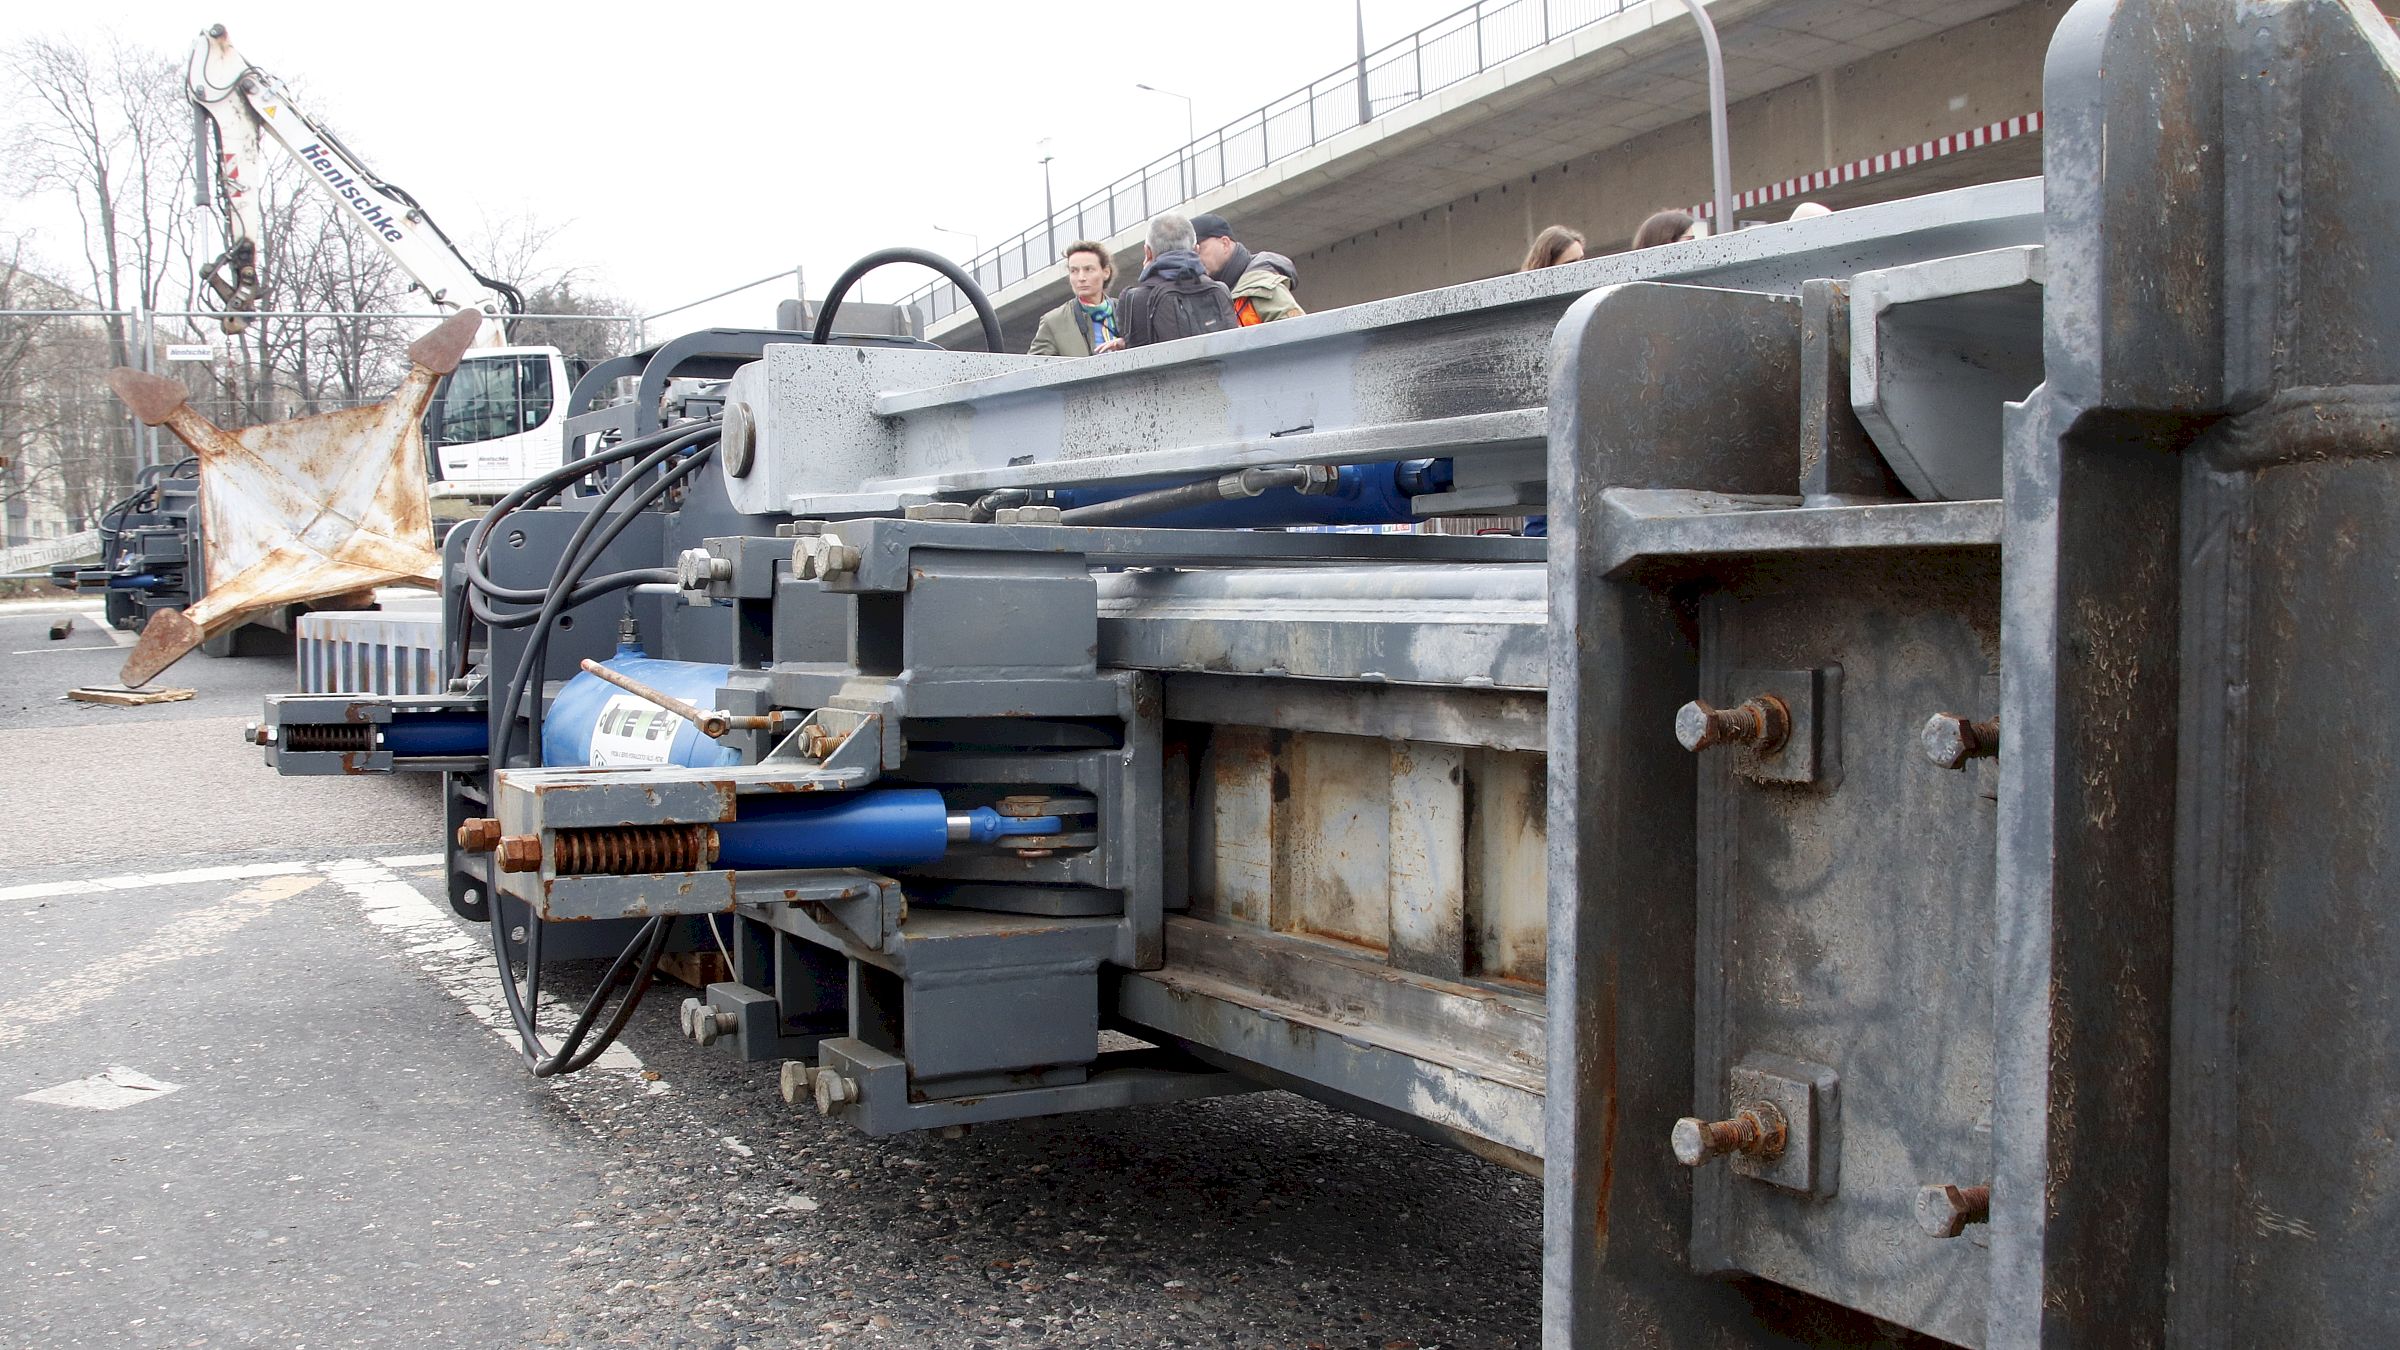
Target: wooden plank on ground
118,696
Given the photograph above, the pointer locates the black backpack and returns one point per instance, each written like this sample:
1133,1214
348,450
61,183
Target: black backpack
1179,309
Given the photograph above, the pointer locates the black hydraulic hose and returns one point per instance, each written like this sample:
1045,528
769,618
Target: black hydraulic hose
563,584
584,592
572,1054
532,490
1229,487
921,257
566,588
481,580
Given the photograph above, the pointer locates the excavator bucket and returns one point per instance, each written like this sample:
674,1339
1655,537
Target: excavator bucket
300,510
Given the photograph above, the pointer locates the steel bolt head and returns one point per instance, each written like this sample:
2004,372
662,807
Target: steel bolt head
521,853
737,437
833,1091
798,1082
480,834
709,1024
1951,740
1757,1128
1691,1142
686,1012
1944,1211
1762,723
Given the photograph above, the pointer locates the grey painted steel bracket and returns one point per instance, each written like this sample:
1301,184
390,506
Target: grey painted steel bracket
883,1105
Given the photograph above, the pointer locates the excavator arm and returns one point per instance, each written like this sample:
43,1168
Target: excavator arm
250,108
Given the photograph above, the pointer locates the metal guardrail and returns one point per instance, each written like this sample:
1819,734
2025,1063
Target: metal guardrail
1433,58
35,558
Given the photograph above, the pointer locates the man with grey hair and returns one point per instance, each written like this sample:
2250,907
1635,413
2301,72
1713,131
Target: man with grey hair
1175,296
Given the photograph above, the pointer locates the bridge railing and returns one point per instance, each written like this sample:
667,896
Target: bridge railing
1433,58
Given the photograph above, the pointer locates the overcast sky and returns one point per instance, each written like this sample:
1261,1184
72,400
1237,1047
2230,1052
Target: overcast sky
686,151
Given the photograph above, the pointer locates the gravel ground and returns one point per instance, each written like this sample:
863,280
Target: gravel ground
678,1204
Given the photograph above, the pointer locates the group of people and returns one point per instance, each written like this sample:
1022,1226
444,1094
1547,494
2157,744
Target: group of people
1557,244
1196,278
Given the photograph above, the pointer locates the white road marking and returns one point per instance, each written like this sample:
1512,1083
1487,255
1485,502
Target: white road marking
114,1090
409,860
202,932
144,880
458,961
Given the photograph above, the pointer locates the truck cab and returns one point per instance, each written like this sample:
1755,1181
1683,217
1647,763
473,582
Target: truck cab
497,420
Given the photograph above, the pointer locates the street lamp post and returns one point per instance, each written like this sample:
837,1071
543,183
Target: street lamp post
1049,212
1183,160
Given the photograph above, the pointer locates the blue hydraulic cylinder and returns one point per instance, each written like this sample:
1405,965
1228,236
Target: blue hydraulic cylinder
1367,494
882,827
142,582
432,734
593,722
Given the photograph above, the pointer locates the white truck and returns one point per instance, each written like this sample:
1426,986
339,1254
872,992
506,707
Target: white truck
496,420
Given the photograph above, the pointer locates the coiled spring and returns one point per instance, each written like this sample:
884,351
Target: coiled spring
633,850
335,736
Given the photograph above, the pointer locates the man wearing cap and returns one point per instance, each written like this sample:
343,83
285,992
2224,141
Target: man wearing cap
1232,263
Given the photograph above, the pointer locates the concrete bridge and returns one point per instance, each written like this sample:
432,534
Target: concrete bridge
1841,102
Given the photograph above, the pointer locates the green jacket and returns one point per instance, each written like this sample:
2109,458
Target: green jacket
1061,333
1269,294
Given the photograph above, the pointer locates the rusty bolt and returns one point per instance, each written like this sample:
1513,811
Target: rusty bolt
816,742
479,835
833,1090
709,1024
1022,806
798,1081
521,853
258,735
1762,723
1757,1129
1944,1211
1951,740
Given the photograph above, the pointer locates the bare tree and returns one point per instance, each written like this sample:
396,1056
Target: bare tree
524,250
106,129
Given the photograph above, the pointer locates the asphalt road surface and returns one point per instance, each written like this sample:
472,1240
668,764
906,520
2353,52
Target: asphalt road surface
254,1094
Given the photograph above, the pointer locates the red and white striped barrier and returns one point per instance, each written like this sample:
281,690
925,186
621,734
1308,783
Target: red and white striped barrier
2007,129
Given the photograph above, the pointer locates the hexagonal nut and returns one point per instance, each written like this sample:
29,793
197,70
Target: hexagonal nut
708,1025
833,1091
1944,1210
684,1014
521,853
1950,740
837,559
936,511
798,1082
1027,515
478,834
257,734
691,568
